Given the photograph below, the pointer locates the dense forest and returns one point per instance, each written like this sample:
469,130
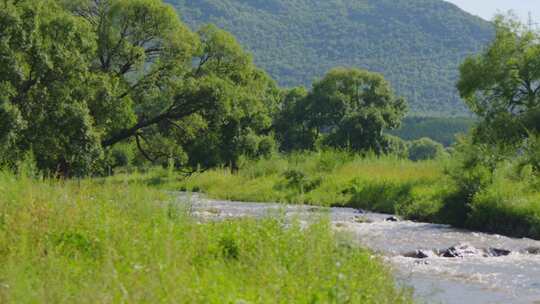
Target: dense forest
416,44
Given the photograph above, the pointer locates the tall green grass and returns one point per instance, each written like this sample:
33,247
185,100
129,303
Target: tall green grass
332,178
120,241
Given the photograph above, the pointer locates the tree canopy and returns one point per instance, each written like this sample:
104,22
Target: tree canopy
81,76
502,84
348,108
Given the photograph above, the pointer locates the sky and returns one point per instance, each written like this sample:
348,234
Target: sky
488,8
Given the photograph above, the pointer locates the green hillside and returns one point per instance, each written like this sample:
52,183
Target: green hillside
416,44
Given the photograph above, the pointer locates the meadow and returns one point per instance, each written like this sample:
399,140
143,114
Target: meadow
119,240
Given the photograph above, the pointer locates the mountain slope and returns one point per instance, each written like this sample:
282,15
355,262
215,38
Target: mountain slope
416,44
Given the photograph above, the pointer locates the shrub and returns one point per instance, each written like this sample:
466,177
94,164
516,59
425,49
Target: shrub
122,155
425,149
395,146
267,146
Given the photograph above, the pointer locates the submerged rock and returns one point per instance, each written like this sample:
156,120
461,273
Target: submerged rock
392,219
497,252
533,250
358,210
362,219
459,251
419,254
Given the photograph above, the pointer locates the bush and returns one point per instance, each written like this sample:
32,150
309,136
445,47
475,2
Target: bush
395,146
425,149
122,155
267,146
495,189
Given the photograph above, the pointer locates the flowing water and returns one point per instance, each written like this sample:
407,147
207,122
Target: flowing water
441,263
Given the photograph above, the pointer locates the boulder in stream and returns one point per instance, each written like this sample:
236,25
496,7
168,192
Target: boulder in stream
497,252
392,219
460,251
419,254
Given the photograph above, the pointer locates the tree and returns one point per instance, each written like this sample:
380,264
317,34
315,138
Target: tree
167,74
291,122
82,76
502,84
353,107
44,57
244,111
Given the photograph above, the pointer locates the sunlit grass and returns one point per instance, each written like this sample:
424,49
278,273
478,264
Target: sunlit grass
330,178
119,241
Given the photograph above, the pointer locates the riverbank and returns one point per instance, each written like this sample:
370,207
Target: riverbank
380,184
118,240
420,191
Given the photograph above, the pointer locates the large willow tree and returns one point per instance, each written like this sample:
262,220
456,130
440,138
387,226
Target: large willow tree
79,76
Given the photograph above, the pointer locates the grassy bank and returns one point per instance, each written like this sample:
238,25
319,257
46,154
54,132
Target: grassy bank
506,203
117,241
386,184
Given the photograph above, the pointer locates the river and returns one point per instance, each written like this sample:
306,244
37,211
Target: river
441,263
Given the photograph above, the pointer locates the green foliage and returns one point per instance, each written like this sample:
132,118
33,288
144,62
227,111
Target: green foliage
502,85
291,122
494,191
11,125
504,78
46,54
347,109
354,106
394,145
416,44
424,149
118,241
496,169
79,77
122,155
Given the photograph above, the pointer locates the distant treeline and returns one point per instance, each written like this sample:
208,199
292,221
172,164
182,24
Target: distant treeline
440,129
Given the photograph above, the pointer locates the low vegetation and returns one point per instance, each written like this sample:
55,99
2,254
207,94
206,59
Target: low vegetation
441,190
117,241
330,178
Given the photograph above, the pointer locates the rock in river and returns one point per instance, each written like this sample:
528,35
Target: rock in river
460,251
392,219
